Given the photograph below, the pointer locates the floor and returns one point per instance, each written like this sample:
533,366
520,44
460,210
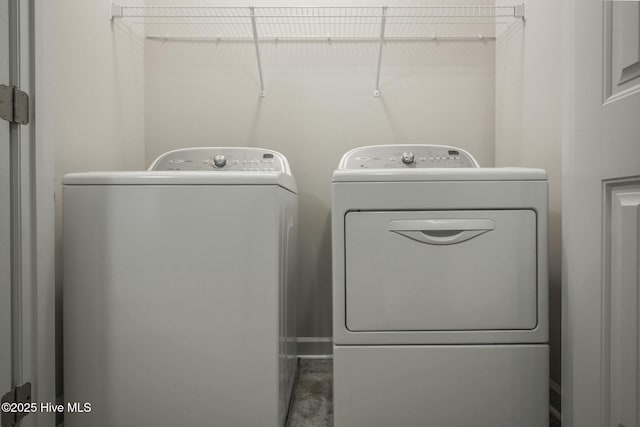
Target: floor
312,404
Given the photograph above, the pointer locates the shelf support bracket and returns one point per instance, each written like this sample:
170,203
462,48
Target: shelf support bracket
116,10
383,23
519,11
254,27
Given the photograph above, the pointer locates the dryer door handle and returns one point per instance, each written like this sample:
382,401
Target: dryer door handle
442,231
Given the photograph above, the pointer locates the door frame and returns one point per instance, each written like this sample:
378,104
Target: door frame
44,204
568,136
34,301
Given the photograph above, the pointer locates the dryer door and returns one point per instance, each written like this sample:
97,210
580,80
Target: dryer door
441,270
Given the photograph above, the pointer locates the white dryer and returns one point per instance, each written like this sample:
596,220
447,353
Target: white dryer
179,291
439,290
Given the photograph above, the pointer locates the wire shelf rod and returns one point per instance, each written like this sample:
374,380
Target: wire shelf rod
317,9
318,16
434,37
262,25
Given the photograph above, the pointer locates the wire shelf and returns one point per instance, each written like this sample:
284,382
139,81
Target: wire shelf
322,23
380,24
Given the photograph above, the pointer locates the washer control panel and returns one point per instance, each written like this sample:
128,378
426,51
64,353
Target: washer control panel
407,156
239,159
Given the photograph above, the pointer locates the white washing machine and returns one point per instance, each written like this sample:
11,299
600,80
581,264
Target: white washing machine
179,291
439,291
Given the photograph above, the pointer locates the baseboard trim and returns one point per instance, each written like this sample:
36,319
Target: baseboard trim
315,347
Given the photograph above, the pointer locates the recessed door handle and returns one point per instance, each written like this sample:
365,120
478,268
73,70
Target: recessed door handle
442,231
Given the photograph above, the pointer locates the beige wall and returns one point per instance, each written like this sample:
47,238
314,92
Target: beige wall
98,87
528,125
319,104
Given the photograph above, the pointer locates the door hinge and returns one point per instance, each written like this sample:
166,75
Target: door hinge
14,105
21,397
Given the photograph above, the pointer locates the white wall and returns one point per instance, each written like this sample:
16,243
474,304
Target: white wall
98,120
528,125
319,104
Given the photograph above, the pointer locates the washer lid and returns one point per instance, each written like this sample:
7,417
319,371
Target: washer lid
439,174
281,179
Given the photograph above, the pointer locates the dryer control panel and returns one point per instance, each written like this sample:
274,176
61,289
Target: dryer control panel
407,156
238,159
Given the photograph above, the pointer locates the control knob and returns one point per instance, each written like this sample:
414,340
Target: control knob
219,161
408,158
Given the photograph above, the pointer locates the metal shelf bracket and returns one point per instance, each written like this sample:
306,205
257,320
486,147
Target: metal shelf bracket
383,22
116,11
254,28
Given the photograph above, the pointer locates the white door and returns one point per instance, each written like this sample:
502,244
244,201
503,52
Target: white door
5,216
601,214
